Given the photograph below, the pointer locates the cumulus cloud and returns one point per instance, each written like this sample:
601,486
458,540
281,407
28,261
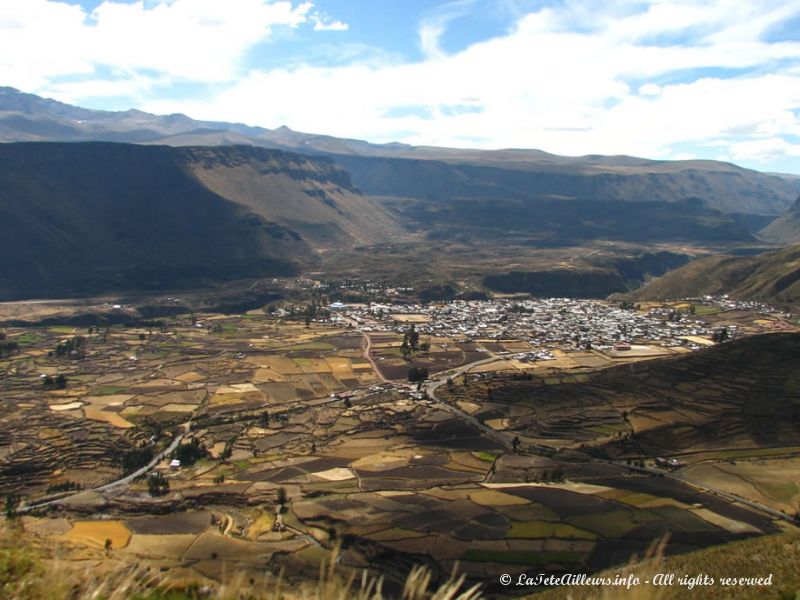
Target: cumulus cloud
194,40
764,150
547,85
598,76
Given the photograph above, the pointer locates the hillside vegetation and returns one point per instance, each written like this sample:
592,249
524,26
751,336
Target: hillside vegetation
773,278
778,555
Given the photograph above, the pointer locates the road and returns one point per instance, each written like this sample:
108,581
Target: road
506,439
123,481
706,488
431,386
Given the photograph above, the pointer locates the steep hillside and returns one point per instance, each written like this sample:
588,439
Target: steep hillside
80,218
786,228
745,394
310,195
421,172
508,175
545,221
773,277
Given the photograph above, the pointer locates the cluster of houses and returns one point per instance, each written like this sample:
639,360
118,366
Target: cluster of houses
560,322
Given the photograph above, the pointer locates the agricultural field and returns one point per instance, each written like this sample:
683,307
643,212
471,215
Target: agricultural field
293,447
773,481
126,385
403,482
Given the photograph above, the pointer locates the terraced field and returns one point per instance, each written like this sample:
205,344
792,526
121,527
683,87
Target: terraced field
743,397
288,466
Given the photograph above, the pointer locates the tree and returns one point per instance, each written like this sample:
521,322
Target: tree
60,382
12,502
281,498
107,546
413,337
190,453
136,458
8,347
721,335
417,374
157,484
515,443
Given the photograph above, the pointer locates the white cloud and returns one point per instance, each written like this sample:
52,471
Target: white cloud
194,40
540,86
434,25
324,22
650,89
764,150
577,78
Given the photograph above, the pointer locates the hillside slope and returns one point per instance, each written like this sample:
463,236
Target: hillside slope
420,172
87,217
786,228
745,394
506,175
773,277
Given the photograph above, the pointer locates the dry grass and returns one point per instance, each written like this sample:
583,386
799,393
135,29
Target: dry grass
29,573
778,555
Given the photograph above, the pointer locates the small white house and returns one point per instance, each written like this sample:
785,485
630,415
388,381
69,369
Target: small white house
175,464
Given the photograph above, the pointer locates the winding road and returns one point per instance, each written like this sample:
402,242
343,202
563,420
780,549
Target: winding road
506,440
118,483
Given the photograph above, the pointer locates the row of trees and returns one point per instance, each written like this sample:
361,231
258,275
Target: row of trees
74,347
59,382
7,347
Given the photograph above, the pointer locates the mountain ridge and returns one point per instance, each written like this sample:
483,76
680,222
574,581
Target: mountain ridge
724,186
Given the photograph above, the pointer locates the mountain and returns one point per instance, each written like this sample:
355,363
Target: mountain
422,173
86,217
773,278
786,228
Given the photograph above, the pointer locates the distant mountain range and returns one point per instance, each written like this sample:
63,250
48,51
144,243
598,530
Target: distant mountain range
422,172
128,200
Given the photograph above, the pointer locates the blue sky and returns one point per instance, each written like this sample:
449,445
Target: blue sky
669,79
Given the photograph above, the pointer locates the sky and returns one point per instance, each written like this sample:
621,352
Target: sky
671,79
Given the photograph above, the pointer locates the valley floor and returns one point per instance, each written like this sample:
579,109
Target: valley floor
300,438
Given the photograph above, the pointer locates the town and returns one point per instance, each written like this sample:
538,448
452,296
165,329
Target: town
563,323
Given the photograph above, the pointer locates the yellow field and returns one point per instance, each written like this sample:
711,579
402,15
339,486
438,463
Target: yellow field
495,498
115,419
95,533
410,318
